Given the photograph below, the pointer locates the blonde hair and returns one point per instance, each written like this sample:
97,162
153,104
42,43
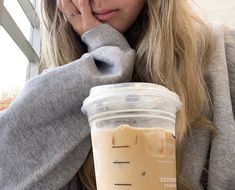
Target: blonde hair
173,49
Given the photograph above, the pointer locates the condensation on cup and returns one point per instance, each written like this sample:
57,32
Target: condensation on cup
133,136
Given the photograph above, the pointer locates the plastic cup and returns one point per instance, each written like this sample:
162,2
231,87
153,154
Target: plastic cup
133,136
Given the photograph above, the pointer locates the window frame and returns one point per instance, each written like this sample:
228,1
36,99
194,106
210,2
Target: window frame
30,47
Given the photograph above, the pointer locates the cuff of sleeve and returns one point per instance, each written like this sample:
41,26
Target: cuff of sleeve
104,35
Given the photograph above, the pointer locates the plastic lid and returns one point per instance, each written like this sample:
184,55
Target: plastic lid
131,88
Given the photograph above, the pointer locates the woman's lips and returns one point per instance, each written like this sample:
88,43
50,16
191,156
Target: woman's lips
105,15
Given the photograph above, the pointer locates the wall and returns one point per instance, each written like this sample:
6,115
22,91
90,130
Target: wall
216,10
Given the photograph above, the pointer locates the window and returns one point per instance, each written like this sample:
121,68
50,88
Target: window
19,47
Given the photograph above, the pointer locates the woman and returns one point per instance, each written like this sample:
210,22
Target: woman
44,136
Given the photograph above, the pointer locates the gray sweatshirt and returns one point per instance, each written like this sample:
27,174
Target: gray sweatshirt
218,153
44,137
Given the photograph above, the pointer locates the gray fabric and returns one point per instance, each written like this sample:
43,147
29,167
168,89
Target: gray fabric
221,75
44,137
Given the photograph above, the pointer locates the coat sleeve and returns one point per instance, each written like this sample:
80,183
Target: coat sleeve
44,137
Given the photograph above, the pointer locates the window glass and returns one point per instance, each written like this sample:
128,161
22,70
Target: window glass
13,63
13,68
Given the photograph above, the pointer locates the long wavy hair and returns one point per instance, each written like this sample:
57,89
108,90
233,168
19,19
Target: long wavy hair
173,48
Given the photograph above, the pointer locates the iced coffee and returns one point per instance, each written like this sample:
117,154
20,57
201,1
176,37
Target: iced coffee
133,136
139,158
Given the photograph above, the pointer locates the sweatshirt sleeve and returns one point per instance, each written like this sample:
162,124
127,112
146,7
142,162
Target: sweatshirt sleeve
44,137
221,167
230,58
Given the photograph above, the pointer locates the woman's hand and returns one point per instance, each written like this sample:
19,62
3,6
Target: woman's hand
79,14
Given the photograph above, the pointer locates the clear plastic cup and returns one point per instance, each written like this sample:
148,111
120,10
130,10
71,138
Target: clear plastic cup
133,136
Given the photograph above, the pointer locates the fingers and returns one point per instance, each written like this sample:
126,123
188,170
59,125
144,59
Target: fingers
84,7
79,14
70,12
66,7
